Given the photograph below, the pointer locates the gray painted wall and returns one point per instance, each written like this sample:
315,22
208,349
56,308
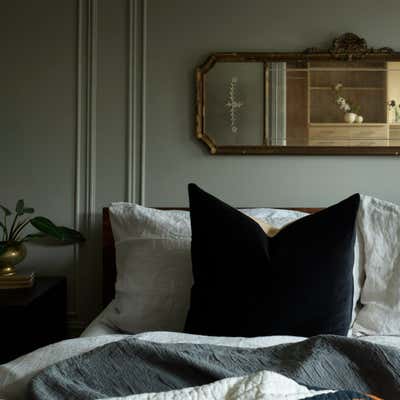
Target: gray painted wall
97,104
182,33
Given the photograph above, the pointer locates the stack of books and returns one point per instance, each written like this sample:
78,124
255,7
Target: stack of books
17,281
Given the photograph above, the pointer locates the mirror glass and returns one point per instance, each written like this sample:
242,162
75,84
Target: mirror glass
304,103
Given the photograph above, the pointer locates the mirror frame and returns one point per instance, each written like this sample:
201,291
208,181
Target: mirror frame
347,47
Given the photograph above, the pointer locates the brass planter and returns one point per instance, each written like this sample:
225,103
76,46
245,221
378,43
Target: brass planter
15,253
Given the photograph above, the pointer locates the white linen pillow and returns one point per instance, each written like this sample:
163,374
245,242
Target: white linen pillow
154,274
379,231
154,271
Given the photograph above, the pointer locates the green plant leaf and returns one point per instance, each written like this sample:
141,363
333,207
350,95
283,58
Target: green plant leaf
71,235
19,209
44,225
34,236
18,228
28,210
6,210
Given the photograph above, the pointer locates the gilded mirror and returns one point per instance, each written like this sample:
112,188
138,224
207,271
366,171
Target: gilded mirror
343,100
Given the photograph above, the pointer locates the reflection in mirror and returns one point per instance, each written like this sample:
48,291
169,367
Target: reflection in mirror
333,103
235,100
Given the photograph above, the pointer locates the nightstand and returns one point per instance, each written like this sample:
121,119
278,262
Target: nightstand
32,318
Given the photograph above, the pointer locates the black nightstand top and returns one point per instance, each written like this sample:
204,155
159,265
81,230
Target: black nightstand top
24,297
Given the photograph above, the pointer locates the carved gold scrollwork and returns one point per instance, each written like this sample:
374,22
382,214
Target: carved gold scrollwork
350,46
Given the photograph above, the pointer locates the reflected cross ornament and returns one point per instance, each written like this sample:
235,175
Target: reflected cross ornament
233,104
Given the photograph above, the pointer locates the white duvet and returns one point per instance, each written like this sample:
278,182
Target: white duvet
264,385
15,376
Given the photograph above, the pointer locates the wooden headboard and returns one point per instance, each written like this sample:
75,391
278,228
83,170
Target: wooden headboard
109,264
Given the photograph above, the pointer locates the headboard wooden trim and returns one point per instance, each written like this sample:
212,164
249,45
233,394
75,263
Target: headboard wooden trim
109,262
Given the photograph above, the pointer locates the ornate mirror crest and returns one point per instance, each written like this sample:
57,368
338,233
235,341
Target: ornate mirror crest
349,47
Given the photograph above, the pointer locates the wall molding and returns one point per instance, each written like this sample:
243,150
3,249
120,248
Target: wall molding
136,116
133,29
78,152
85,211
91,108
143,105
88,260
85,152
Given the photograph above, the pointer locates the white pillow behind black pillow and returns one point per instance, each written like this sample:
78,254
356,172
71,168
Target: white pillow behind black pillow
154,270
154,276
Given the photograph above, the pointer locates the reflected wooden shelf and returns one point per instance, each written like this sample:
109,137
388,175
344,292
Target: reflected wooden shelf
354,125
361,135
342,134
333,69
346,88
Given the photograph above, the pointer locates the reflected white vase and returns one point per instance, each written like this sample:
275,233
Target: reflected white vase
396,115
350,117
359,119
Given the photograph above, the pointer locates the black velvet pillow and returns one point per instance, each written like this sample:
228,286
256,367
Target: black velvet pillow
299,282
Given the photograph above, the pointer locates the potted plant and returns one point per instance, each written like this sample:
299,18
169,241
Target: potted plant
12,244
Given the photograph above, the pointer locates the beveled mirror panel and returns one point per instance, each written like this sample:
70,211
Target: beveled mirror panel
344,100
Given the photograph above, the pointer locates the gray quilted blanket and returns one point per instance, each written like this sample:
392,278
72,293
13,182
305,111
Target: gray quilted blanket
132,366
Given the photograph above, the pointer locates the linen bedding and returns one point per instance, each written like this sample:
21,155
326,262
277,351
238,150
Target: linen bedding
371,363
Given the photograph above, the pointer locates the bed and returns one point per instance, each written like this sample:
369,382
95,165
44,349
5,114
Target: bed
365,362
